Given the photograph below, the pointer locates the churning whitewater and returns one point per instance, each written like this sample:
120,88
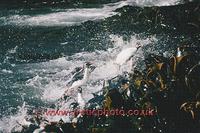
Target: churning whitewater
51,77
69,17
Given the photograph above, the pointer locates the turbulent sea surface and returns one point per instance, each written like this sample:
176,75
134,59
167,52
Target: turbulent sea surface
41,43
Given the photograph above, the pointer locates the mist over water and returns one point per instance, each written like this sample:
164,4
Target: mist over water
40,47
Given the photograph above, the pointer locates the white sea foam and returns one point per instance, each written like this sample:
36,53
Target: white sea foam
10,123
13,50
6,71
156,2
66,17
69,17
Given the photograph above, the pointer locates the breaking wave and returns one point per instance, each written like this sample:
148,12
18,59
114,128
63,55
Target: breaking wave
70,17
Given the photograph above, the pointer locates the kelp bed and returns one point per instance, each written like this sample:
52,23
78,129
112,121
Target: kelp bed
170,86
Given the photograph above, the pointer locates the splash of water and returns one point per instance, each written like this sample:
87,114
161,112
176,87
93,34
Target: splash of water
52,77
10,123
61,68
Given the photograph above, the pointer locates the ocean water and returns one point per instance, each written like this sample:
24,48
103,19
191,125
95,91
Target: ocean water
41,43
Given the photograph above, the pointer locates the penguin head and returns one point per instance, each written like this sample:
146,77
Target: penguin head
87,64
138,45
80,90
90,66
